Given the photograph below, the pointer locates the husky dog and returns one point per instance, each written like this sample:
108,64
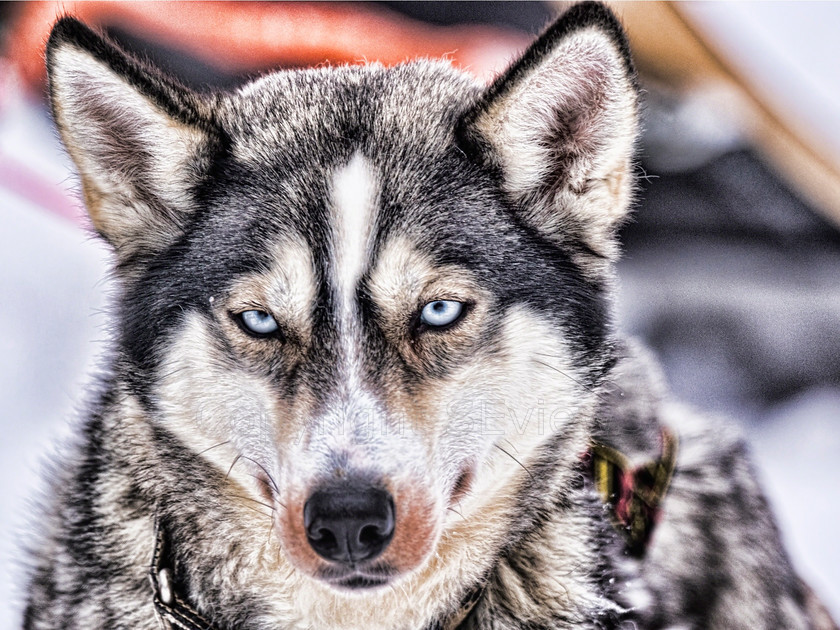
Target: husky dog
364,348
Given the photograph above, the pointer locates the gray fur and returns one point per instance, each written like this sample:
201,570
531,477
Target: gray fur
505,199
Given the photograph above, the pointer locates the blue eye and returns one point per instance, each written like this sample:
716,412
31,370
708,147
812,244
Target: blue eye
258,323
441,313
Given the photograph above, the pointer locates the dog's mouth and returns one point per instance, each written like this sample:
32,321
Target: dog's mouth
358,578
360,582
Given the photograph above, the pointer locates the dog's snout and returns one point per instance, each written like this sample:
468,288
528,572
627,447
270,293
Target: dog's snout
349,523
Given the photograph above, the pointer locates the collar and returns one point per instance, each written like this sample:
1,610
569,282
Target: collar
634,495
174,612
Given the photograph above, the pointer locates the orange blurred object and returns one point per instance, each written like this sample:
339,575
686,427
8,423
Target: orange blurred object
238,37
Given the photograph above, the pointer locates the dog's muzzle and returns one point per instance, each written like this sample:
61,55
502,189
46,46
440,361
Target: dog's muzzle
358,530
349,523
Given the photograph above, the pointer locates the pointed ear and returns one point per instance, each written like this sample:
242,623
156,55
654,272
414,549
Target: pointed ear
140,141
560,125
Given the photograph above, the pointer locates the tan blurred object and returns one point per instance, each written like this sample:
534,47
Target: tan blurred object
669,50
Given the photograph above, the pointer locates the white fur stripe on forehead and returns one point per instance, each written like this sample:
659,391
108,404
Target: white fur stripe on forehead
354,195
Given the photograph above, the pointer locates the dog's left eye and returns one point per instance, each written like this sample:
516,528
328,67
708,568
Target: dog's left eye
258,323
441,313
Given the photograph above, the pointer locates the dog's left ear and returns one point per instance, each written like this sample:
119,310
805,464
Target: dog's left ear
141,142
561,126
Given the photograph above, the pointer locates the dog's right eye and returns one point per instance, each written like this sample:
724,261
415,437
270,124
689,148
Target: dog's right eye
258,323
441,313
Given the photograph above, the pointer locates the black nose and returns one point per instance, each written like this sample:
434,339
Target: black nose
350,522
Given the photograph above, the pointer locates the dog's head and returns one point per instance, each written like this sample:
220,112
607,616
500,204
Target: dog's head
379,292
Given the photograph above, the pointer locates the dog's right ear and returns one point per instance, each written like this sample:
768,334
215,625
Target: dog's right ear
140,141
560,126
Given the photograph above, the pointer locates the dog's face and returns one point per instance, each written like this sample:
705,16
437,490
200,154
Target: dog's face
372,297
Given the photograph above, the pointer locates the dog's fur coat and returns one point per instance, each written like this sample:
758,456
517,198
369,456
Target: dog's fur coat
339,204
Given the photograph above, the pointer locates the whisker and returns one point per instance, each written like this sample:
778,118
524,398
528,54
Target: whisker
517,461
214,446
452,509
606,381
172,372
260,512
244,498
512,445
591,390
235,459
271,481
267,474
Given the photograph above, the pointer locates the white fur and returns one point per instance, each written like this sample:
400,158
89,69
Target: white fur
349,418
354,198
213,407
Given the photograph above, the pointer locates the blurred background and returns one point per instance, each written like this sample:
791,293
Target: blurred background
731,271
